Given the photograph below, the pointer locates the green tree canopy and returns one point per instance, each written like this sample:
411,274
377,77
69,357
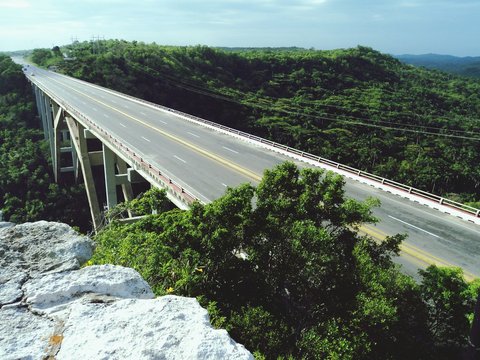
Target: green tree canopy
282,267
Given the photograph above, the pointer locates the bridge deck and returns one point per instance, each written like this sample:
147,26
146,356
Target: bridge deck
205,161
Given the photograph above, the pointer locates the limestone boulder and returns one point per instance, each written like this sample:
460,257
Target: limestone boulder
50,307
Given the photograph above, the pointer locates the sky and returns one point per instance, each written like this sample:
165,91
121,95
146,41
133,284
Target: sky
391,26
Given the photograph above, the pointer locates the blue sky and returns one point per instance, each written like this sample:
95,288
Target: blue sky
391,26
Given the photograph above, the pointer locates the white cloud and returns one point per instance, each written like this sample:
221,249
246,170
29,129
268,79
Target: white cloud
14,4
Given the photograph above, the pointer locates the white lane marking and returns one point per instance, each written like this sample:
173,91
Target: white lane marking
144,138
94,109
114,101
141,112
432,214
106,115
413,226
122,125
193,134
225,185
163,122
84,103
176,157
233,151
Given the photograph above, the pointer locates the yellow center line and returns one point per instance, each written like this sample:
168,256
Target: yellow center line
415,252
227,163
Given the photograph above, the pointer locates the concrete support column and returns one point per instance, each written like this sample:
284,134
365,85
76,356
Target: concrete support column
110,181
41,111
57,142
75,160
49,118
77,135
122,179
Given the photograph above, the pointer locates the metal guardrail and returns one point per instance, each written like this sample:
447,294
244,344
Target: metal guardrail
360,173
135,161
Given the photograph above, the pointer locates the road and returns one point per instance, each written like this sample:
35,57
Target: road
205,162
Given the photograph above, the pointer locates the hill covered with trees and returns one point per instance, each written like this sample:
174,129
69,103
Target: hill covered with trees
466,66
356,106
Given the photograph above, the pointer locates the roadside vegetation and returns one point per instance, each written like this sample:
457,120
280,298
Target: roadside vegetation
291,277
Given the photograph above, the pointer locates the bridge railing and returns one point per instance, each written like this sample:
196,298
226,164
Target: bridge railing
303,154
136,161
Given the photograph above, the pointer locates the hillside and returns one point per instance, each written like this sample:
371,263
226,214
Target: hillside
356,106
466,66
27,188
291,276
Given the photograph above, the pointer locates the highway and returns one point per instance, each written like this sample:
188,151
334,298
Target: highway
205,162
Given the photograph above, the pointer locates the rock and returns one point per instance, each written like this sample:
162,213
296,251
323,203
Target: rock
169,327
11,286
52,308
57,289
4,224
43,246
23,335
31,249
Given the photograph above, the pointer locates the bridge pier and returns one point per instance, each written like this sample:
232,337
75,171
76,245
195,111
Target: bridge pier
47,108
123,181
77,134
67,131
110,180
57,141
41,113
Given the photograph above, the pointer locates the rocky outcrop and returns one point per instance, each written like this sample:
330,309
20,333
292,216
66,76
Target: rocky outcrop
52,308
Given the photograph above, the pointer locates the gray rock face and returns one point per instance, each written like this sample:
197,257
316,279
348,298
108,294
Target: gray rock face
23,334
50,307
33,249
169,327
36,248
57,289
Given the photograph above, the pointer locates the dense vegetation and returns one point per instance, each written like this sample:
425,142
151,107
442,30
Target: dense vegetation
27,189
465,66
355,106
291,276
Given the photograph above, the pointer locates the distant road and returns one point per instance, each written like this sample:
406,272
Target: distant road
205,162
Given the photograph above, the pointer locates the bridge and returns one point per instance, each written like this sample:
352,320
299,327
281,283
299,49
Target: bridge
195,160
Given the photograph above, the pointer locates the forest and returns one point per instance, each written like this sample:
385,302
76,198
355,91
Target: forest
355,106
290,277
27,189
466,66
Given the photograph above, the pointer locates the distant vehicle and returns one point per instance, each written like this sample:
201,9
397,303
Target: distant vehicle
32,74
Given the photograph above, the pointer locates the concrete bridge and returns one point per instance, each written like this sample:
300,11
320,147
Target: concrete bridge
194,159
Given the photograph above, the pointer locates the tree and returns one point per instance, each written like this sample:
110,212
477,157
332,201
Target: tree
449,300
288,276
27,190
